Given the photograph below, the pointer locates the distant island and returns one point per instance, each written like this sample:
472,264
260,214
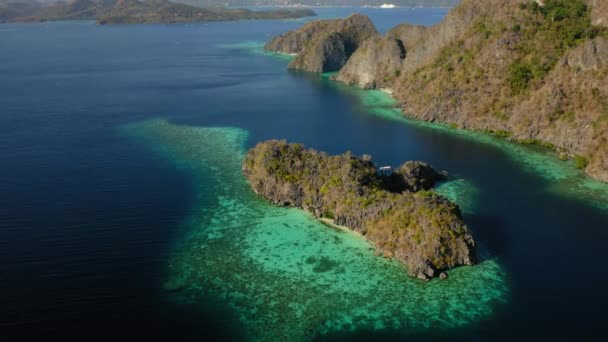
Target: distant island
534,72
395,210
325,3
106,12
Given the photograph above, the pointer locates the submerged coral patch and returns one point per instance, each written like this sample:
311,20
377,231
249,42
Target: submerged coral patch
288,276
462,192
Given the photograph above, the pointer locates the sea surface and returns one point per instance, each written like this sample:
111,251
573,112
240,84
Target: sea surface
123,213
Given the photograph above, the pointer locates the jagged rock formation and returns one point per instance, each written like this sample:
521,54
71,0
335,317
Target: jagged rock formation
375,64
408,34
135,11
532,73
295,42
395,212
324,46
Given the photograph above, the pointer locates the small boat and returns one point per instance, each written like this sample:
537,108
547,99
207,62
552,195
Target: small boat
387,6
386,170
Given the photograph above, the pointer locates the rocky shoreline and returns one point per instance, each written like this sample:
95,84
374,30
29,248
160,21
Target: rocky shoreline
534,74
397,212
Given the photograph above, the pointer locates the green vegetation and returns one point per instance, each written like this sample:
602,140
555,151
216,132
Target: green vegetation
560,10
502,134
580,162
537,142
547,32
535,71
520,77
398,212
568,116
485,27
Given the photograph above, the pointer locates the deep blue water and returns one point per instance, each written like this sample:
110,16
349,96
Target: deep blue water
87,216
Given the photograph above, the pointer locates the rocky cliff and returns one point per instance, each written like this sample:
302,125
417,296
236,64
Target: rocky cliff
324,46
396,212
375,64
532,73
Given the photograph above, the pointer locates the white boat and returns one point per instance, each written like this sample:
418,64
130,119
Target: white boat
385,170
387,6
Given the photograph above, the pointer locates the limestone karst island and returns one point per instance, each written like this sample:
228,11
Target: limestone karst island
303,170
532,71
396,211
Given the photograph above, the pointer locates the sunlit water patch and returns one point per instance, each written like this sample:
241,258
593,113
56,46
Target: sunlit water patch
288,276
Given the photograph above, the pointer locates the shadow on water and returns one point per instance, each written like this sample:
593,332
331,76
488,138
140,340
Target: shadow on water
490,231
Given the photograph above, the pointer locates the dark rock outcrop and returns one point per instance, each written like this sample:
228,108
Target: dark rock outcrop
418,176
418,227
324,46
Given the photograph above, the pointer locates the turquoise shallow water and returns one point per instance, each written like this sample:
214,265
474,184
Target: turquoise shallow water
287,275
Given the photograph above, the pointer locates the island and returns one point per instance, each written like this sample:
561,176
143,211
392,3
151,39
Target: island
106,12
397,211
533,72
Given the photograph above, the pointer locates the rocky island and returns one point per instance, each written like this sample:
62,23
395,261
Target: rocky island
324,45
534,72
107,12
397,212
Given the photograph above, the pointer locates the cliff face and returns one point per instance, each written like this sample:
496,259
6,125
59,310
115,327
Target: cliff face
324,46
394,212
375,64
295,42
571,107
408,34
534,73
